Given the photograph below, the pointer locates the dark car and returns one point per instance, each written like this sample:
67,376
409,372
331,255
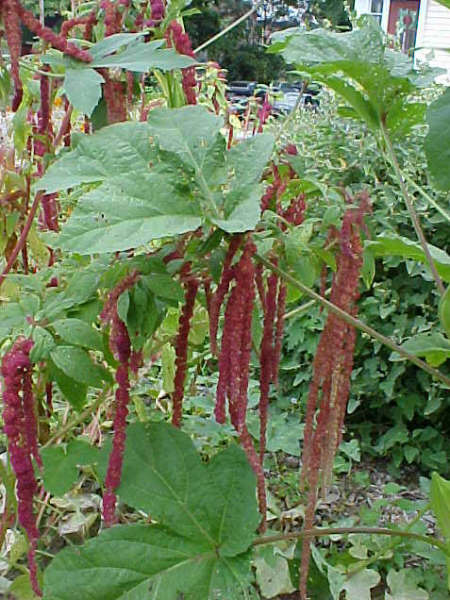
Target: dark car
241,88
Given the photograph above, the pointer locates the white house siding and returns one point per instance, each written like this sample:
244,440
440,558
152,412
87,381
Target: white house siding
434,34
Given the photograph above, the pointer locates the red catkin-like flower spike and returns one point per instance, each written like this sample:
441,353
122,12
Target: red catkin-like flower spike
181,348
234,361
46,34
119,341
266,359
115,98
114,471
279,329
333,363
222,290
20,429
176,37
13,35
68,25
112,17
158,10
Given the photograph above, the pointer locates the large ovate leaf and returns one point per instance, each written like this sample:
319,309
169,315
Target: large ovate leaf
157,180
374,81
141,58
189,132
437,142
137,562
198,550
394,245
126,212
120,148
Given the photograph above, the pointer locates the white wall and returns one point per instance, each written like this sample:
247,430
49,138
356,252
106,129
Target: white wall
434,34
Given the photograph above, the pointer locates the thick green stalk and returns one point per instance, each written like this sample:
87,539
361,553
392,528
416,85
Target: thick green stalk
412,212
354,321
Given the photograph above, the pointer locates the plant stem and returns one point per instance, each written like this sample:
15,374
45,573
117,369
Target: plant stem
427,197
412,212
326,531
214,38
299,309
23,237
354,321
75,421
382,551
63,128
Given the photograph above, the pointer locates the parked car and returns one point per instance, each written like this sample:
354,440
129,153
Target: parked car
241,88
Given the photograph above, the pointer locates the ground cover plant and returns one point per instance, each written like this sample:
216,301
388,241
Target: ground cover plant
148,236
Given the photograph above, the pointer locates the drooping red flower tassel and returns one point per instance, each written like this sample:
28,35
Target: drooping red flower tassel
333,363
13,35
120,345
181,346
222,290
115,98
21,430
266,359
234,360
56,41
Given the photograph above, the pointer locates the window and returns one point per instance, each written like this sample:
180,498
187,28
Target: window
376,9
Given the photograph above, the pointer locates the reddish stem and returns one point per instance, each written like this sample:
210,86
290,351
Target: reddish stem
23,237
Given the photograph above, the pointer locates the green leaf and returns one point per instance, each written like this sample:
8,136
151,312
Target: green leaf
440,503
324,46
83,89
110,44
433,346
272,573
403,587
117,149
43,343
165,286
188,132
375,82
160,467
168,368
61,465
74,391
444,3
134,562
141,58
127,212
207,520
20,588
78,333
359,585
77,364
394,245
444,311
437,141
